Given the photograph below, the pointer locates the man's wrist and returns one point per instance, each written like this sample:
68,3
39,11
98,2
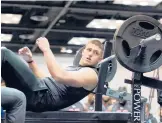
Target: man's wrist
31,61
46,51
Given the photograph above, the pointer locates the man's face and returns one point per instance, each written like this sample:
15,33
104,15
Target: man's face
91,55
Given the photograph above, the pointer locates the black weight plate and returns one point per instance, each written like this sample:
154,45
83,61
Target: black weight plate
127,39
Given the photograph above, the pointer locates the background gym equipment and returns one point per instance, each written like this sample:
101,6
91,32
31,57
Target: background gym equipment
138,47
122,95
102,76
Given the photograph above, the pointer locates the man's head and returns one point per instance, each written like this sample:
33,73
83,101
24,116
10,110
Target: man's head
92,53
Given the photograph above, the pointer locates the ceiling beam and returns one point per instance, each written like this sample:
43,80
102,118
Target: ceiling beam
29,6
128,12
76,47
104,33
62,12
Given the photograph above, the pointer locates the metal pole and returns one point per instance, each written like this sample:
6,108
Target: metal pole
102,77
63,11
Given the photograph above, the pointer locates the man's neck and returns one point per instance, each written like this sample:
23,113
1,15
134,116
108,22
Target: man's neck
81,63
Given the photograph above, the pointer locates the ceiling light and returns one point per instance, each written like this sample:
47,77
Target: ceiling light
143,3
64,50
127,2
157,0
69,51
39,18
112,27
105,23
160,20
119,21
83,40
11,18
138,2
62,21
6,37
26,36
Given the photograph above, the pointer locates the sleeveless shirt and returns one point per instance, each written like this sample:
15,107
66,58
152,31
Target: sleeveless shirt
65,95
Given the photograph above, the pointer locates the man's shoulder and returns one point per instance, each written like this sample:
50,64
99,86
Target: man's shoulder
89,68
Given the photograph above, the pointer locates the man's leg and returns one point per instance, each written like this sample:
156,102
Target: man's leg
14,102
17,74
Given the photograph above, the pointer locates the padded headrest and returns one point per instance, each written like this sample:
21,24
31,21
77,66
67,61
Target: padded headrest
78,57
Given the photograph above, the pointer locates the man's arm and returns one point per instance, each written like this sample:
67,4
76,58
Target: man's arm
85,77
28,57
37,72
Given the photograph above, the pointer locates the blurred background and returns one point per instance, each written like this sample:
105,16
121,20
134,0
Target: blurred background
68,25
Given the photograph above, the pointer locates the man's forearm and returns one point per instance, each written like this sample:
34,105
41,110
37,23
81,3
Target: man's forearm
54,68
37,72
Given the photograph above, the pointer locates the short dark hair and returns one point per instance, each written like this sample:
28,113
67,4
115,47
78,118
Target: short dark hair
97,43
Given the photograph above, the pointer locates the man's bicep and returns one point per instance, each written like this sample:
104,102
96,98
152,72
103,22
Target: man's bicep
85,77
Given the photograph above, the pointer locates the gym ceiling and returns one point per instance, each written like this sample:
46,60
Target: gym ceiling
67,24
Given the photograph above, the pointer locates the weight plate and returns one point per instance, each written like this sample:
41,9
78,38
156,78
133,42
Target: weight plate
127,44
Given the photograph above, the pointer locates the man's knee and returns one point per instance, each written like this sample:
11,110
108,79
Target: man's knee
20,97
4,51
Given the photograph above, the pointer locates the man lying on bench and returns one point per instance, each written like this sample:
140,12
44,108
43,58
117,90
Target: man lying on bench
63,88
